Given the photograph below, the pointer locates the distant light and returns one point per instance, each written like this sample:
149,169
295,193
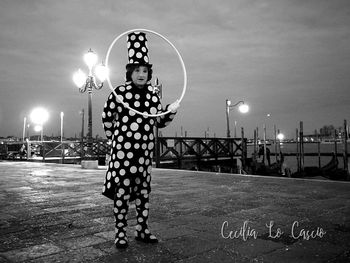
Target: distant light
38,128
280,136
228,103
79,78
39,116
268,115
244,108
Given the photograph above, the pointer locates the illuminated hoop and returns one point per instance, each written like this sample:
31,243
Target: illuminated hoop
120,98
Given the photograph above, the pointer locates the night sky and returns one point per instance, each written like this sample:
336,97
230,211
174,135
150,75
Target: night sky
286,58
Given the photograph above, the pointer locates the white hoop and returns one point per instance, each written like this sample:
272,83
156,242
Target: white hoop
120,98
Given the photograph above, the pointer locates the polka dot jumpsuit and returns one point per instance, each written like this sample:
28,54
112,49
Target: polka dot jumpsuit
128,177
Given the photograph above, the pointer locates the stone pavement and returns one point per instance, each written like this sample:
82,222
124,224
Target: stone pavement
55,213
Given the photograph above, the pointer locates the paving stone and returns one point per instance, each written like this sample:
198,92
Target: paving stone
23,254
57,214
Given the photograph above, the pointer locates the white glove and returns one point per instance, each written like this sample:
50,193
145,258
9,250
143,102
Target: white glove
174,106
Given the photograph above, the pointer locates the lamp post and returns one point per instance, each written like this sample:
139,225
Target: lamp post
243,108
88,83
62,115
159,90
24,128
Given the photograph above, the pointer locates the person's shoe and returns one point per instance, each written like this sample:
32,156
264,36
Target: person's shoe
146,237
121,241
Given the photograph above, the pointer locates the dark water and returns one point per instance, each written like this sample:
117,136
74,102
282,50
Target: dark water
291,148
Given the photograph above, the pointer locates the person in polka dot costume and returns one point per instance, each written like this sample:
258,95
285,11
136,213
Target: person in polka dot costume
128,177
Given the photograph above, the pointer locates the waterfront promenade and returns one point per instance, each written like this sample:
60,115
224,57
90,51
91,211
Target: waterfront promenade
55,213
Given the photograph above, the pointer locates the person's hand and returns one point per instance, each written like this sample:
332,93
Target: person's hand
174,106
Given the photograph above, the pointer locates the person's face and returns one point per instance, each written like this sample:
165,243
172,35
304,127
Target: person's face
140,76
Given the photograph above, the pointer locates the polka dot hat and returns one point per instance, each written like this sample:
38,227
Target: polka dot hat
137,49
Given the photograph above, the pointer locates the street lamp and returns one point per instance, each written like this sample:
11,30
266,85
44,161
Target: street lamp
39,116
243,108
87,83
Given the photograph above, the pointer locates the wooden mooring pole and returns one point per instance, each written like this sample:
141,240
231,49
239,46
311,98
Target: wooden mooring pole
301,146
346,162
298,151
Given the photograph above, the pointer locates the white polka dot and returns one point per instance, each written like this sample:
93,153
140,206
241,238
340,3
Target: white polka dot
150,88
136,146
130,155
146,59
124,128
127,145
125,119
108,175
144,49
108,133
131,52
148,96
137,104
132,113
141,169
128,95
126,182
134,126
153,110
116,164
122,172
126,163
120,155
137,136
133,169
141,38
154,99
122,88
137,201
119,203
141,160
147,127
137,96
112,105
144,146
139,120
114,174
139,55
137,44
145,213
150,146
120,138
132,37
108,125
146,103
145,137
108,185
129,134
